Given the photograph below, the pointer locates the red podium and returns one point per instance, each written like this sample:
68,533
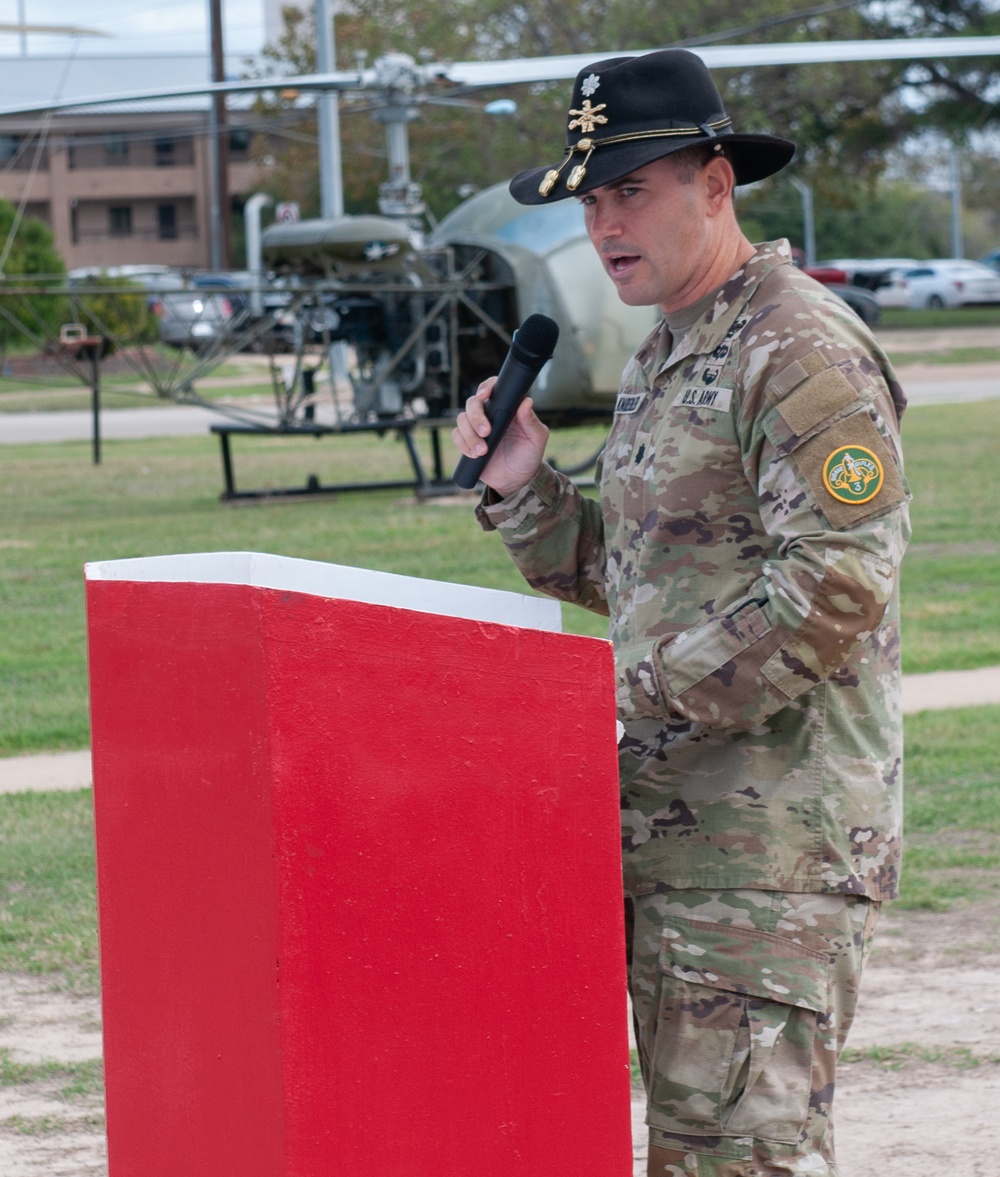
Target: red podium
359,876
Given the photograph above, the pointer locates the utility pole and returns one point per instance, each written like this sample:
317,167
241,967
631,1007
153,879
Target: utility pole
219,148
957,240
331,183
808,218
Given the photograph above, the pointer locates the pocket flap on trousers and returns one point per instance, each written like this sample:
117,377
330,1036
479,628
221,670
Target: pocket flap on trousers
763,965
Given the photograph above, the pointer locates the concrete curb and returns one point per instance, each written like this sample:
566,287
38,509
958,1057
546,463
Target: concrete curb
65,771
951,688
49,772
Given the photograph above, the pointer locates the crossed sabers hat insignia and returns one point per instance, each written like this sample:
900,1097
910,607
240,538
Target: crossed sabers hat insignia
589,118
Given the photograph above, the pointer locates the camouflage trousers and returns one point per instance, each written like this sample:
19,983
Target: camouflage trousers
742,1002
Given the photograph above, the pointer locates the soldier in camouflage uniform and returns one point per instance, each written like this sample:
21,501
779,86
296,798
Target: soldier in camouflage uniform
746,545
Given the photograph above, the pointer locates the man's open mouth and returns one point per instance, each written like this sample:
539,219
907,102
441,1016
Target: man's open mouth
620,263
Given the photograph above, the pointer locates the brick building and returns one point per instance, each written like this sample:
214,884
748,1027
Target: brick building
125,184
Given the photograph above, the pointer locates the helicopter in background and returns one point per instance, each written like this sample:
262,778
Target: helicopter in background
427,323
402,328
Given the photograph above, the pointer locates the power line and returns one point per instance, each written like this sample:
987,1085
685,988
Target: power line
768,23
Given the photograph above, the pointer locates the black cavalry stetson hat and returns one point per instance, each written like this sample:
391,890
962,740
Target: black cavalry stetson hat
628,111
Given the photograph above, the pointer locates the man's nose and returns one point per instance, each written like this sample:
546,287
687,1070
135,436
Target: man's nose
603,224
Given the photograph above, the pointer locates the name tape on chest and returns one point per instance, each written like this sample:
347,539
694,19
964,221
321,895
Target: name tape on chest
629,402
697,397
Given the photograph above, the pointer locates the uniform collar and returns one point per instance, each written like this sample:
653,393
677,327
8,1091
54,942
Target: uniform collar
711,328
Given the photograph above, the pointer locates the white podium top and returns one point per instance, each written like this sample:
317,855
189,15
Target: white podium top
338,581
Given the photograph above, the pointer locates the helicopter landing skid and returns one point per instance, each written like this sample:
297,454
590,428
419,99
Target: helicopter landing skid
424,485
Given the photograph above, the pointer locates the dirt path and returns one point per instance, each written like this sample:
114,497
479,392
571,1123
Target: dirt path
44,1130
911,339
930,1005
930,1008
933,982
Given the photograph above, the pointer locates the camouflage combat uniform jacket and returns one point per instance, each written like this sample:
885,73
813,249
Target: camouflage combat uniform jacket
746,546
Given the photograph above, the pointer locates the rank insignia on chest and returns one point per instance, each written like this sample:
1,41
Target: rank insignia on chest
697,397
853,474
629,402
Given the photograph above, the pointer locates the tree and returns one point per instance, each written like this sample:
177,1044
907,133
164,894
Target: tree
31,255
958,96
889,219
844,117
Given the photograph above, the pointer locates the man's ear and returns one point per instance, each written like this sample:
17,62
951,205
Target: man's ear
719,180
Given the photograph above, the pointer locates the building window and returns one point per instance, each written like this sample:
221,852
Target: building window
9,147
116,149
166,219
120,220
163,150
239,143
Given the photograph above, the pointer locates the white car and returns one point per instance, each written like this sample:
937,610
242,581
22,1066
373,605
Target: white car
871,265
948,283
894,290
878,275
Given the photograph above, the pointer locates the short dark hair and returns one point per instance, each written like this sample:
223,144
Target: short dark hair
689,162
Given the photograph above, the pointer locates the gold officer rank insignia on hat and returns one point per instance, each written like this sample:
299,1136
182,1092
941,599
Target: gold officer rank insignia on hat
853,474
588,118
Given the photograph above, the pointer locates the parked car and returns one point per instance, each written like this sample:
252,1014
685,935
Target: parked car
193,318
234,284
862,267
948,283
894,291
869,281
837,281
239,287
153,278
875,274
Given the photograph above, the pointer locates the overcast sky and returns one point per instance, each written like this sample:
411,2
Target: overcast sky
136,26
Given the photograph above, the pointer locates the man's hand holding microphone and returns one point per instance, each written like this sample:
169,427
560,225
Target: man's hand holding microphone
500,437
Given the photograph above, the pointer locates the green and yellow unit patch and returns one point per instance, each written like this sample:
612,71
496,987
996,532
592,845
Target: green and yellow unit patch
853,474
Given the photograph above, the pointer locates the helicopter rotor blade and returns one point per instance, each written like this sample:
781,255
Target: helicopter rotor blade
304,83
60,30
468,75
548,69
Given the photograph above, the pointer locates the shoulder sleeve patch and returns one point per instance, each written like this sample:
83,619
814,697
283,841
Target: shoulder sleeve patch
851,471
816,399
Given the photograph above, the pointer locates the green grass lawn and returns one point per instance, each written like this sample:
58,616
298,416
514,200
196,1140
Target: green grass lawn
948,355
237,378
918,320
952,777
48,915
47,896
161,496
951,606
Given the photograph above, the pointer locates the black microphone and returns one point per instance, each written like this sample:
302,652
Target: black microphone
530,350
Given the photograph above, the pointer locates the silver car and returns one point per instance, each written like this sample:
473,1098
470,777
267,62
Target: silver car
193,318
948,283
